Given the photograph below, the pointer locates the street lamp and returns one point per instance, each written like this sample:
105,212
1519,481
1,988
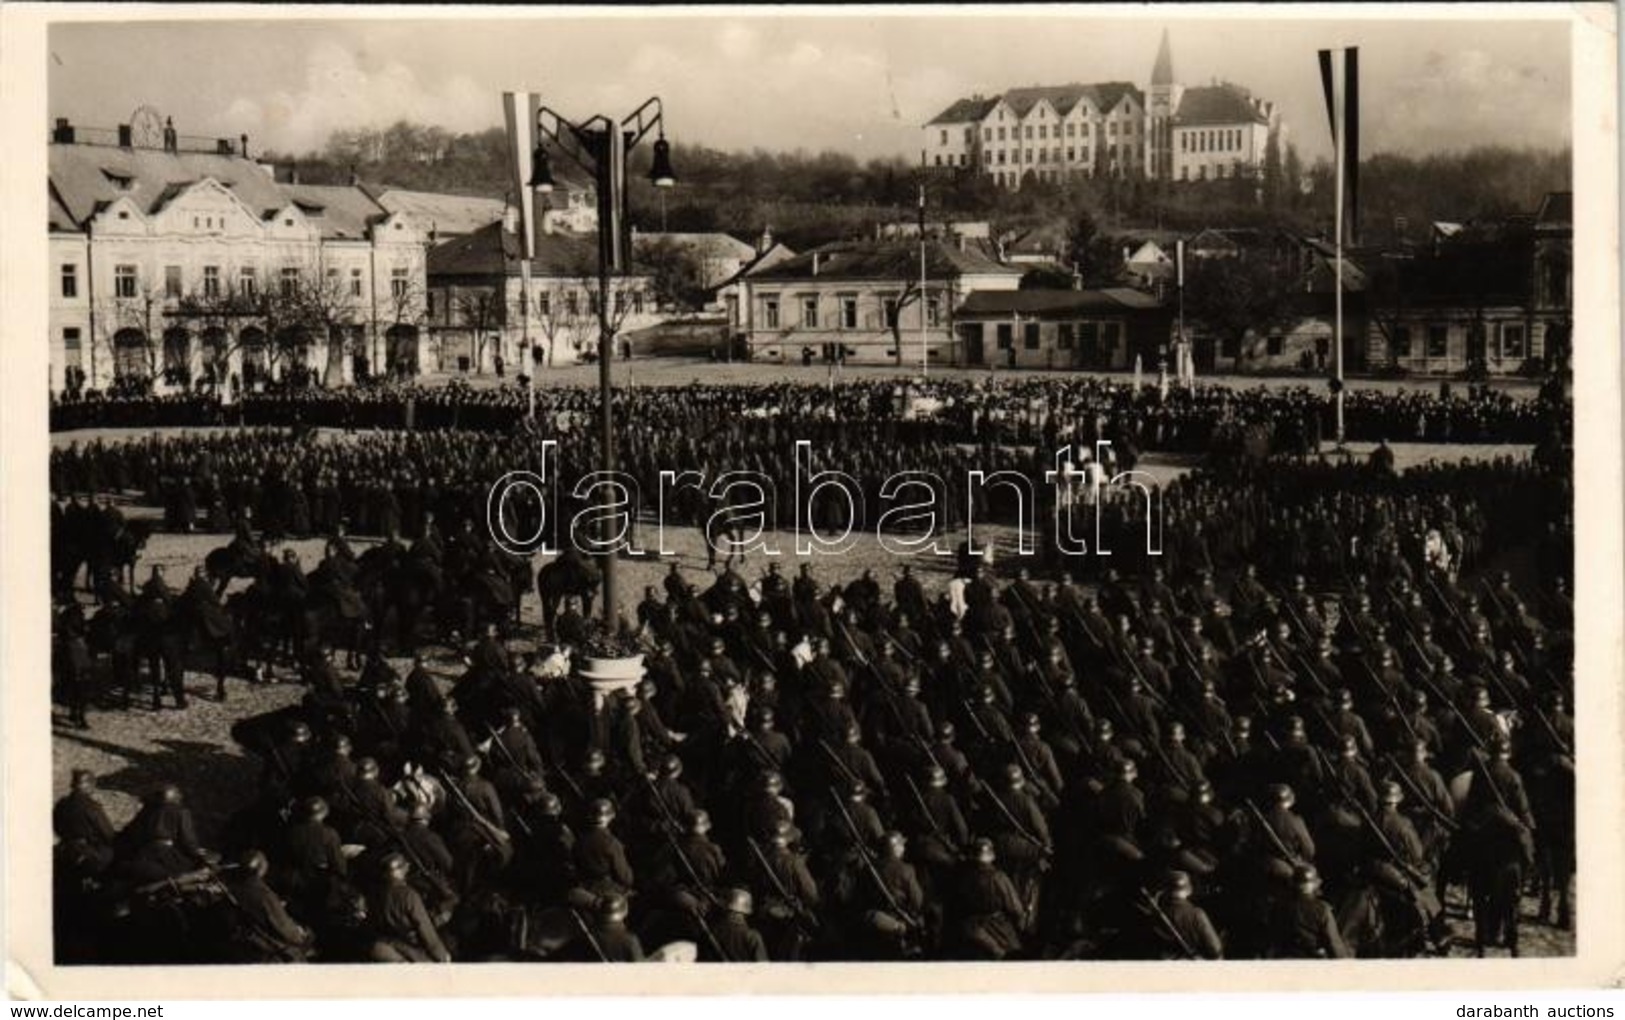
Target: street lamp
599,146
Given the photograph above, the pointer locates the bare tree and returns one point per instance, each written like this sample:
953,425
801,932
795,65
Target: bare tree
402,314
557,316
893,310
480,311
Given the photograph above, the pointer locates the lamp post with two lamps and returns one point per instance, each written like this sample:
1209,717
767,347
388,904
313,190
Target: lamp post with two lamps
599,145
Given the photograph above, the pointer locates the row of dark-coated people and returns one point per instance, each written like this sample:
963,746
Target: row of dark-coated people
1012,770
1017,411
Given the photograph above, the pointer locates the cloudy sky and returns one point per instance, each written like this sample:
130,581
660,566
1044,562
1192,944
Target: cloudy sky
860,84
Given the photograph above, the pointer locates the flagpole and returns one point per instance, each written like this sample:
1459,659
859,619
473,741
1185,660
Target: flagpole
1339,135
925,353
527,358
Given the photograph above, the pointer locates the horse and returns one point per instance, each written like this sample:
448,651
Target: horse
229,562
571,575
114,553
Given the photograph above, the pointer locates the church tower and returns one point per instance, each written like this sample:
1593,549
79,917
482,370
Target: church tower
1162,103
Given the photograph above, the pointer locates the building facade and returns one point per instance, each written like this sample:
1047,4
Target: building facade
1495,298
859,300
480,310
179,263
1101,330
1166,131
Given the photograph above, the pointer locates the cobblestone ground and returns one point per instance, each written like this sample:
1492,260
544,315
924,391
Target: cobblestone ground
133,749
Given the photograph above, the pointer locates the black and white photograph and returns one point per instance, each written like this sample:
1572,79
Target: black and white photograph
793,486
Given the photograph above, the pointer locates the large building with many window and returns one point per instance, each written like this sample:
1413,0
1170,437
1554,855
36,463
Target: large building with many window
181,262
1166,131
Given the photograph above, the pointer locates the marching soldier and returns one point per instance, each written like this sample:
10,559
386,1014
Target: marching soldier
401,918
1305,925
740,943
262,931
989,914
600,859
1182,929
788,892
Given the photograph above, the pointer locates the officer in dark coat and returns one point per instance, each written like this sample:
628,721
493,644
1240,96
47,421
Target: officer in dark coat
74,665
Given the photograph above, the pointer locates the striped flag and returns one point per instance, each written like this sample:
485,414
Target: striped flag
1344,108
519,110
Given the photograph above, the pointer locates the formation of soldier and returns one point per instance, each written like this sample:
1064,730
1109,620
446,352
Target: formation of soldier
1297,733
1018,409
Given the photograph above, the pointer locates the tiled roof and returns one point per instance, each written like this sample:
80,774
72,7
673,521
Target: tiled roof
1104,95
448,214
1055,303
342,213
713,245
964,110
882,260
58,216
1063,98
1217,104
86,177
1108,94
490,251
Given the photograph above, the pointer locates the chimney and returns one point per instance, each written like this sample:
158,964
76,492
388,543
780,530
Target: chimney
815,264
244,149
222,147
765,242
124,140
63,133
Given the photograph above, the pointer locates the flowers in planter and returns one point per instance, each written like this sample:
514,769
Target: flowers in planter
604,644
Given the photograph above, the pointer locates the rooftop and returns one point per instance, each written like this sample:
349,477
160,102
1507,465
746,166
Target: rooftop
883,260
86,178
1056,303
450,215
492,251
706,245
1218,104
342,212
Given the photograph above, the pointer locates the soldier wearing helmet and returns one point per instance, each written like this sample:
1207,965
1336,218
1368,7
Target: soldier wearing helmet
600,858
991,913
403,921
1180,928
1305,926
735,938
